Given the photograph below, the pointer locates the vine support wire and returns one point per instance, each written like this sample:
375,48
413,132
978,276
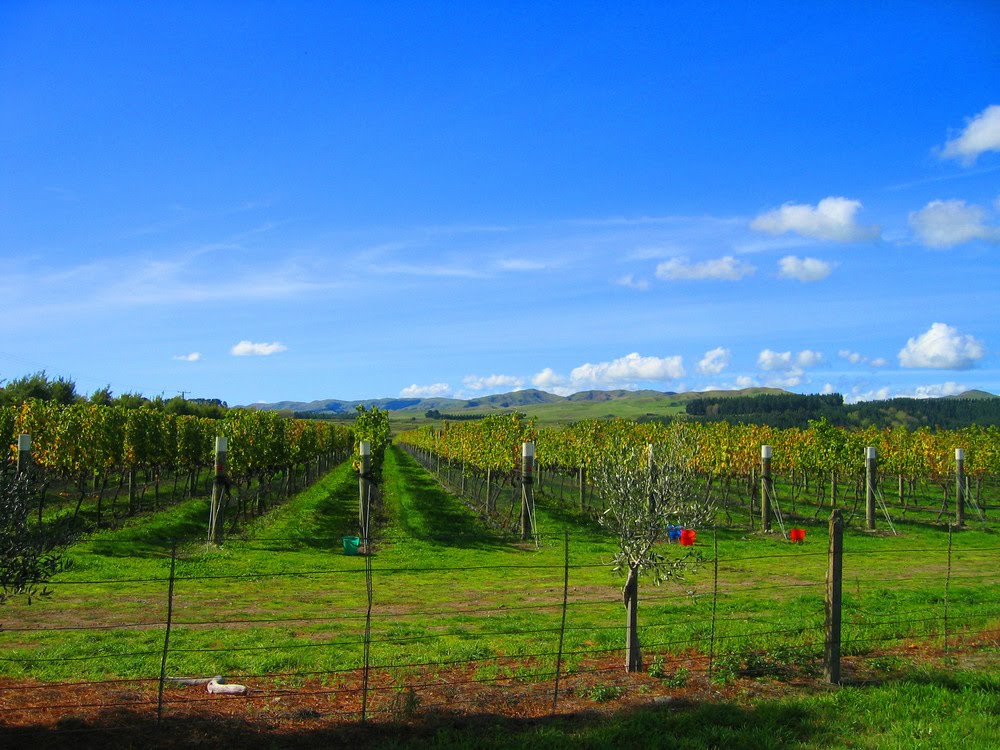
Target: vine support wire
880,497
562,626
166,635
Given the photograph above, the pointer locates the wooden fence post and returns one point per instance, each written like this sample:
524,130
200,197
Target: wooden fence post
527,488
23,453
959,487
364,489
871,465
766,487
220,484
834,577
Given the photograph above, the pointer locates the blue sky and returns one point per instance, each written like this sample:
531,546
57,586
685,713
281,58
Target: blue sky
269,201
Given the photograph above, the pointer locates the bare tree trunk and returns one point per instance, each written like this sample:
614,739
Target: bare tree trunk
633,652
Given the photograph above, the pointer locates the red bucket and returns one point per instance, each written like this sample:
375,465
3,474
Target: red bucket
688,537
797,535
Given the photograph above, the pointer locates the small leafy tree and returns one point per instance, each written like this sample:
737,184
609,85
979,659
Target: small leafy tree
26,560
644,492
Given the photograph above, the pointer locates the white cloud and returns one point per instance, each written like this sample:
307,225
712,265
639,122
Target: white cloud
771,360
856,394
629,368
726,268
714,361
633,283
477,383
791,368
251,349
952,222
425,391
745,381
831,219
981,134
548,378
790,379
804,269
941,347
939,390
879,362
808,358
192,357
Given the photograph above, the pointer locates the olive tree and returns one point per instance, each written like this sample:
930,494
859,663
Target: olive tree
26,559
644,491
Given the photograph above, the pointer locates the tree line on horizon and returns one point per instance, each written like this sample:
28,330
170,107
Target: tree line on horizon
63,391
786,410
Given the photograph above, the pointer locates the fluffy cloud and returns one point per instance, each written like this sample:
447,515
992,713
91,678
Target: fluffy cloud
803,269
857,395
251,349
477,383
808,358
981,134
548,378
950,223
631,367
941,347
726,269
192,357
939,390
831,219
425,391
714,361
784,362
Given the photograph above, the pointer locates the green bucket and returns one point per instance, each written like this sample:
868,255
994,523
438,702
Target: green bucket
351,544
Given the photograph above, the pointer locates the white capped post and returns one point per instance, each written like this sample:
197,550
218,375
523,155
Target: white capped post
870,479
959,487
23,453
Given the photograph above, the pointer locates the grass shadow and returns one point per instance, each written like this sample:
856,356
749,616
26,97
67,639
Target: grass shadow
772,725
427,512
152,536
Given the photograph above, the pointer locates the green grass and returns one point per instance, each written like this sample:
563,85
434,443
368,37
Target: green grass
447,588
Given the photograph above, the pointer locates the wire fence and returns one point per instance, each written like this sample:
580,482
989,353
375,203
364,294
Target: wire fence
349,638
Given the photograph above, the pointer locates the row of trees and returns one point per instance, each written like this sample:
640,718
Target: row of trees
719,449
796,410
83,440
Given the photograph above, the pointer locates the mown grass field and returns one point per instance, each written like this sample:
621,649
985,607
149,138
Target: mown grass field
281,608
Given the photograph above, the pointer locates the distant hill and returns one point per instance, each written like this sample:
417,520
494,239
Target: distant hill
546,407
771,406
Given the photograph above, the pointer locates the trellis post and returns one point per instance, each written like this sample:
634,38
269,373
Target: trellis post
364,488
216,509
766,487
871,466
959,487
527,488
834,579
23,453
